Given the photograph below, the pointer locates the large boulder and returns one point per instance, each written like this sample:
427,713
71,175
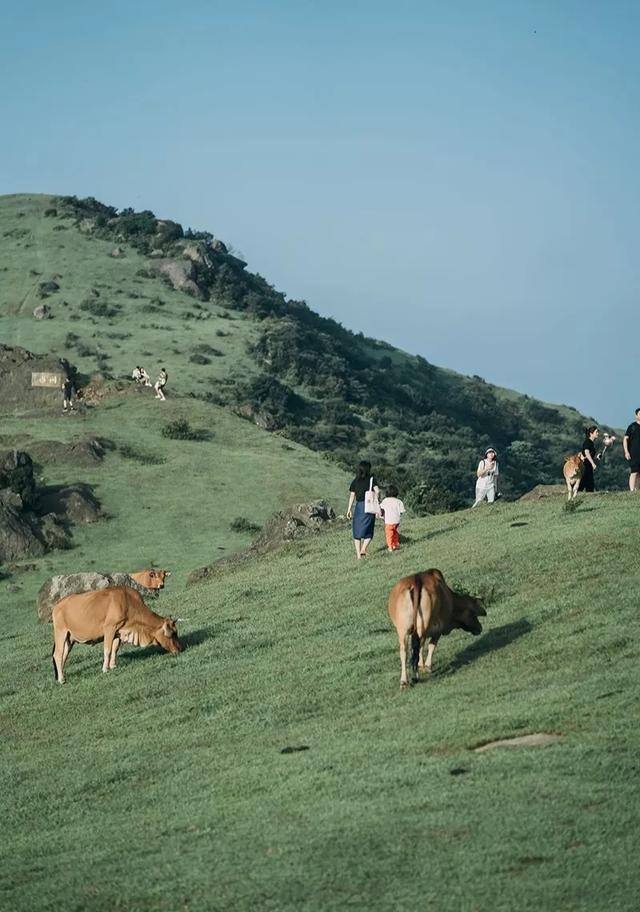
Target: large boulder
16,475
28,380
59,587
180,272
42,312
19,535
289,525
74,503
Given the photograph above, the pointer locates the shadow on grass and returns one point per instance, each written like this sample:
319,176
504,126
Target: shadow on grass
189,640
495,639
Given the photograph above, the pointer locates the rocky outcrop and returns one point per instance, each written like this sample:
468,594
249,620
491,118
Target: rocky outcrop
74,503
294,523
21,369
180,272
42,312
19,534
16,476
86,451
59,587
541,491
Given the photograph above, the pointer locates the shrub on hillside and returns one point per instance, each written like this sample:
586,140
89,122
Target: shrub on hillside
135,454
99,308
180,429
242,524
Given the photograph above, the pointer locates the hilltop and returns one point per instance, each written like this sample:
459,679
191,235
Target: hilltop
124,287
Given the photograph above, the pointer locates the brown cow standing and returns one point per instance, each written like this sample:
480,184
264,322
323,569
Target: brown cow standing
421,606
115,615
573,471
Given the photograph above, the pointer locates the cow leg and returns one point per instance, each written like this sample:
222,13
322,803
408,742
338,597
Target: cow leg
416,648
404,638
114,652
109,636
60,652
433,642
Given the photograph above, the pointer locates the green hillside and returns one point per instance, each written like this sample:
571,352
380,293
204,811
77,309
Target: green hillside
276,764
240,344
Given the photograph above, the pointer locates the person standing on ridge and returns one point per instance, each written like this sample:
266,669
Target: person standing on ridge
631,447
588,451
487,477
160,384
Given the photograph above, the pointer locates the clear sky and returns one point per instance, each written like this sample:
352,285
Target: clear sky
458,178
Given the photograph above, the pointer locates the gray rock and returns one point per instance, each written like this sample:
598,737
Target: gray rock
181,274
19,536
87,451
75,503
16,475
53,533
42,312
59,587
17,367
117,253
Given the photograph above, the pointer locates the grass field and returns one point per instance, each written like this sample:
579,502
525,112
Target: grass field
163,785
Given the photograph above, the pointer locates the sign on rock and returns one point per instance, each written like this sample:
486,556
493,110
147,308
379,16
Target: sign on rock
46,378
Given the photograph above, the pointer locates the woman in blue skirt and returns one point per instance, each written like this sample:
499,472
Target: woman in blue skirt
363,523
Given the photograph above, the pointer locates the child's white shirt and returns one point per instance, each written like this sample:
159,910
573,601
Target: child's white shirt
392,507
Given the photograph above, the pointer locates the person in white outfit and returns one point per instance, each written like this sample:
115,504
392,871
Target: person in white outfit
487,475
160,384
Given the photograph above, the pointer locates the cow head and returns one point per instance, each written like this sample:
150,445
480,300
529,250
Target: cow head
167,636
466,611
156,578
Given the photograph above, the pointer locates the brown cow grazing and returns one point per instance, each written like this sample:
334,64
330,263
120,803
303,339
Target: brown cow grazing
116,615
573,470
151,579
421,606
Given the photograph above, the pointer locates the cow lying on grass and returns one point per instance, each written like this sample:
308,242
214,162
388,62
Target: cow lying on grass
116,616
421,606
573,471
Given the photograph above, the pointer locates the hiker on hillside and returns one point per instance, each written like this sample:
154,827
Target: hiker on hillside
136,374
145,379
68,392
631,447
589,464
363,487
487,478
160,384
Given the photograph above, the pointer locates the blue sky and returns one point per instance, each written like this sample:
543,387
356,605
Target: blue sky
460,179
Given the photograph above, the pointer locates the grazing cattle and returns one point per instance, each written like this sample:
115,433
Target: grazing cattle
573,470
151,579
421,606
117,615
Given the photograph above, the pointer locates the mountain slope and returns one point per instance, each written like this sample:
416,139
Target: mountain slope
237,342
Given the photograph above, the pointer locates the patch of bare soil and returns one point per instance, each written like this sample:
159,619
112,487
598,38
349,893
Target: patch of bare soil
536,739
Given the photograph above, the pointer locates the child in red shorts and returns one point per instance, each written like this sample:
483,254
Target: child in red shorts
392,508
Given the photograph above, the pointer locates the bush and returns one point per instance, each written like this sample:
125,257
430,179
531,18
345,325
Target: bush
197,358
136,455
242,524
99,308
180,429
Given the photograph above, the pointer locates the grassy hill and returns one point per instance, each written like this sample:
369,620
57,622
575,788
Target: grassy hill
276,764
242,345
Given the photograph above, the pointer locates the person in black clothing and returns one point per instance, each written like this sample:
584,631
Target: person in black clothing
68,392
631,447
363,523
589,453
